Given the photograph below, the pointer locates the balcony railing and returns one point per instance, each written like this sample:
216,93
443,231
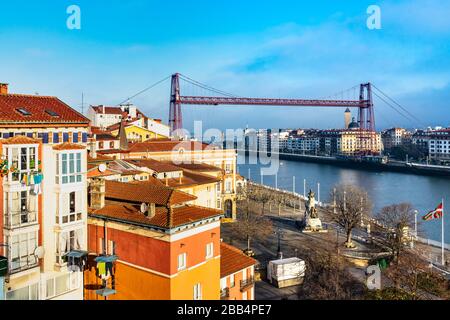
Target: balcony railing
247,283
225,293
16,219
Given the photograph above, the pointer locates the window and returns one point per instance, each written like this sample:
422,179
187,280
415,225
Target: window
26,293
209,250
21,208
198,291
22,160
70,168
22,251
228,186
111,247
55,137
68,241
75,137
84,137
65,137
232,282
182,261
23,111
71,205
52,113
219,204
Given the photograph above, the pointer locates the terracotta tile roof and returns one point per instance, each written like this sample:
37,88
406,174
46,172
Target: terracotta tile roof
167,146
131,213
154,165
108,110
112,151
39,108
20,140
233,260
68,146
145,191
99,158
97,173
196,166
190,179
116,126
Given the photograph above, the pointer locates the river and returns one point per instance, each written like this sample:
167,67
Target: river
384,188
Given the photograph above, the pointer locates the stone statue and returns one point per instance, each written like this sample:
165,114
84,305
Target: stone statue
311,211
311,219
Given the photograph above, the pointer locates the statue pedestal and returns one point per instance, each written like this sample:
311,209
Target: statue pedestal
314,225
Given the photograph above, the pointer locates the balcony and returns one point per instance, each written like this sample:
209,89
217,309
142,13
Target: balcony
247,283
22,218
225,293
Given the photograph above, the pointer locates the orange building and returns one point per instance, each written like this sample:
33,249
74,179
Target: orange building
165,247
236,274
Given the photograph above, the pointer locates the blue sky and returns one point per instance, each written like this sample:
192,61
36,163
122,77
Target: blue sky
304,49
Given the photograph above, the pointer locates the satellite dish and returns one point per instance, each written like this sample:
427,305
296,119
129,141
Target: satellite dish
102,167
39,252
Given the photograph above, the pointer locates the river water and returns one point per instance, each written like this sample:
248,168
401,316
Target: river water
384,188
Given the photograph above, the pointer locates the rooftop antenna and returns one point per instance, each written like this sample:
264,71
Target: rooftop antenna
82,103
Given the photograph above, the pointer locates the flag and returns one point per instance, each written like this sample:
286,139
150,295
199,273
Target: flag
434,214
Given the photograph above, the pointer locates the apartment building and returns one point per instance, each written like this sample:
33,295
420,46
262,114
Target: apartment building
203,186
237,271
439,145
43,196
394,137
191,152
164,246
139,126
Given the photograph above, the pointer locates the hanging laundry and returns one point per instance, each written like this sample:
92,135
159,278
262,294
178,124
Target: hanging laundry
101,266
109,268
31,182
24,179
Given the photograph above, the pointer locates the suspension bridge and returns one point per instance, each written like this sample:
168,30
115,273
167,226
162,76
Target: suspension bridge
364,103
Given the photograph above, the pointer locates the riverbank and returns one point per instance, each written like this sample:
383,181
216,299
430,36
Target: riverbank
294,210
391,165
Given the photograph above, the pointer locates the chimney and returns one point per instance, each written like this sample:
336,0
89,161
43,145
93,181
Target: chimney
97,191
103,108
151,210
3,88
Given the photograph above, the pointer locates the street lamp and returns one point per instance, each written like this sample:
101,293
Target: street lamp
279,233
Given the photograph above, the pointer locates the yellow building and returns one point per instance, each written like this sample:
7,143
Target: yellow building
135,133
357,142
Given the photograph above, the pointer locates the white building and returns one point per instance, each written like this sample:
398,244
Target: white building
106,117
439,145
44,207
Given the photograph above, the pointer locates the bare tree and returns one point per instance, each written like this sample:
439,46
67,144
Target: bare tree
259,194
352,203
327,278
404,275
397,221
280,198
250,224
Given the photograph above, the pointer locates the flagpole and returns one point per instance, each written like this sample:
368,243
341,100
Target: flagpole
442,234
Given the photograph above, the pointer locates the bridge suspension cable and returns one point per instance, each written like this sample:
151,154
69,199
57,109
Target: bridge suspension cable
144,90
205,86
398,104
